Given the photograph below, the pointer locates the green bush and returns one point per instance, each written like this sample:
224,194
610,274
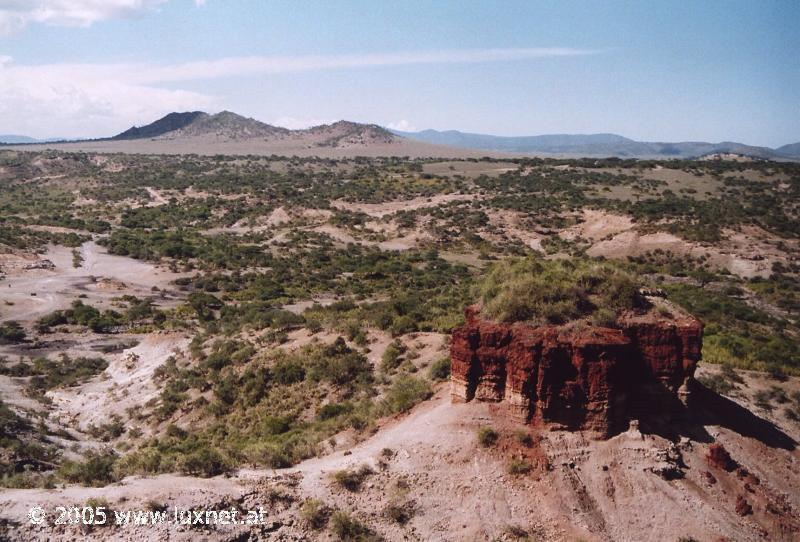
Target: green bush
405,392
440,369
315,514
517,467
332,410
392,356
205,463
352,479
96,470
288,371
487,437
348,529
48,374
11,332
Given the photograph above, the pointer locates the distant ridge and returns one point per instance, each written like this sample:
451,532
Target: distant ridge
596,145
14,139
169,123
792,149
226,125
229,127
197,132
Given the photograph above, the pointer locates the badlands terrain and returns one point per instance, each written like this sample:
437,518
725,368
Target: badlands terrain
218,331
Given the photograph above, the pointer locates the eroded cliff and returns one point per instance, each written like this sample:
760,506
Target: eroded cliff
580,376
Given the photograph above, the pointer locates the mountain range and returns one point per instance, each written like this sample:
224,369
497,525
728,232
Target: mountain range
596,145
228,126
229,133
12,139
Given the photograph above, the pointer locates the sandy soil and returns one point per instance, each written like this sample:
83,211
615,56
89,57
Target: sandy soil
512,225
211,146
580,489
379,210
470,170
101,277
747,253
123,388
597,225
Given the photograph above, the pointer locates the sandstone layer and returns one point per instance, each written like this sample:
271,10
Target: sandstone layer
579,376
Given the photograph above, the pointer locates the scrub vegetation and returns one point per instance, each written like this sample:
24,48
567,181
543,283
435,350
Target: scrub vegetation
307,287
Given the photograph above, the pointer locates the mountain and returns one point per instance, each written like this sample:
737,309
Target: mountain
169,123
590,145
514,144
15,139
793,149
345,133
226,125
197,132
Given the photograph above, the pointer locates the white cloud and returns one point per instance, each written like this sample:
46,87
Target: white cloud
256,65
402,126
17,14
55,101
96,99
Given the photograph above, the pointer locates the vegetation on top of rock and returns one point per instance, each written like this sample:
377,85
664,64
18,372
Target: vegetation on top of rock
557,291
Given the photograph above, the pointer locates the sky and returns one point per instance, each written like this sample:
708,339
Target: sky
708,70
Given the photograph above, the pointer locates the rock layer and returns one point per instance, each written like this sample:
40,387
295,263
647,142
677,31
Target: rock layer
579,376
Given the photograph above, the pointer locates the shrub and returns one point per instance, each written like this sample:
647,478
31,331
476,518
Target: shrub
315,514
524,438
400,511
11,332
392,356
440,369
487,437
402,325
288,371
332,410
517,467
716,384
49,374
205,462
96,470
351,480
348,529
406,391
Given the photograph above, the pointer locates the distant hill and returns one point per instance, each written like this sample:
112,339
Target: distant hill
196,132
591,145
347,134
229,133
14,139
793,149
169,123
228,127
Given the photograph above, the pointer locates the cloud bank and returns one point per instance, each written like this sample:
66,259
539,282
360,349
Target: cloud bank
96,99
15,15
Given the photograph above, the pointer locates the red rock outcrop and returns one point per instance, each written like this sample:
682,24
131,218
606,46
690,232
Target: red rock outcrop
580,376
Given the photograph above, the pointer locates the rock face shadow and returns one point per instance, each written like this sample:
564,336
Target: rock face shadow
710,408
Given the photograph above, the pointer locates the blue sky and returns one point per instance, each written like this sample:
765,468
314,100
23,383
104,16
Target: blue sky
708,70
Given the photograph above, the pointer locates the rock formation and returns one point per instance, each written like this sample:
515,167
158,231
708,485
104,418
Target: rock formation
579,376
